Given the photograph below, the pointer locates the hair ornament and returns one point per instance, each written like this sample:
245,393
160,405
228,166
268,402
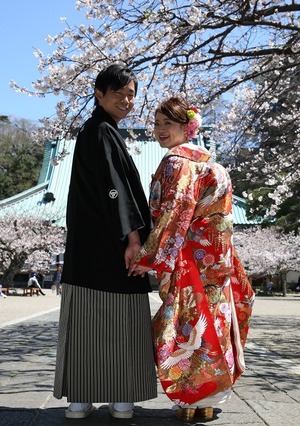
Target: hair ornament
194,123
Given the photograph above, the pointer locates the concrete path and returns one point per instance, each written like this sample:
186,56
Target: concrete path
267,394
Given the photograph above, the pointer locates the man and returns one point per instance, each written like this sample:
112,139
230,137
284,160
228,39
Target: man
104,351
33,282
57,280
270,286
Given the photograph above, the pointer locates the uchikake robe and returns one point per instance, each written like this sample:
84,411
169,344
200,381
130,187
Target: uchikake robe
201,327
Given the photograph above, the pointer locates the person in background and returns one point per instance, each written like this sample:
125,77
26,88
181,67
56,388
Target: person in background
1,292
270,286
201,327
40,278
104,349
297,289
33,282
57,280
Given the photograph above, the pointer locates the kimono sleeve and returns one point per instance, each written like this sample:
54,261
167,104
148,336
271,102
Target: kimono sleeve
124,190
174,192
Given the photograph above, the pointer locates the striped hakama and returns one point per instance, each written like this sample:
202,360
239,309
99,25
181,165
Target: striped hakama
105,349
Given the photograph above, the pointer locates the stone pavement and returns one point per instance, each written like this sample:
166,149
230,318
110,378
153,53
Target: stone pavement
267,394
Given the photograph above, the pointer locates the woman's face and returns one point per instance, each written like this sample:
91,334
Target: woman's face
168,133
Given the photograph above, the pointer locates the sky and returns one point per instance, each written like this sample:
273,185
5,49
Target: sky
24,25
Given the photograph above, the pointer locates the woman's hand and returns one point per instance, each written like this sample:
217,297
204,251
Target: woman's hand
138,270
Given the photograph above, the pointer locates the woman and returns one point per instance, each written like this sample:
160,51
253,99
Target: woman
201,327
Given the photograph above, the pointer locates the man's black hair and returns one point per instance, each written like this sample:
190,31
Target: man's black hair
114,77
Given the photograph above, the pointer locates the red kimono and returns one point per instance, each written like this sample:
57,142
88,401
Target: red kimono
201,327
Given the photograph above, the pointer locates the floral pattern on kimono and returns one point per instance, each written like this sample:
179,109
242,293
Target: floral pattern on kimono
201,327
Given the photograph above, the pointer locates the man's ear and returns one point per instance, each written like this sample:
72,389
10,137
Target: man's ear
98,94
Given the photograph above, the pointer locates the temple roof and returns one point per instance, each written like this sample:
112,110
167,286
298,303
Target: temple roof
48,199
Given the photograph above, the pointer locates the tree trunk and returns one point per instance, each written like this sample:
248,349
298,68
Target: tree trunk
14,268
283,282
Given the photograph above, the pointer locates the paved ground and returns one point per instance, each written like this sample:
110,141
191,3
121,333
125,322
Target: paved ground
267,394
16,309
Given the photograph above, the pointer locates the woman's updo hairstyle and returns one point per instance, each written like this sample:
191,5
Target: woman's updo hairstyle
175,109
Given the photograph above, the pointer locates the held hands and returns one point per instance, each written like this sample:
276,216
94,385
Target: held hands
138,270
130,253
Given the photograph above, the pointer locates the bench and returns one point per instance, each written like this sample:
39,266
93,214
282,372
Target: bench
31,291
9,290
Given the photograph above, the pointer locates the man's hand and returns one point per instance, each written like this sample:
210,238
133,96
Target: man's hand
131,251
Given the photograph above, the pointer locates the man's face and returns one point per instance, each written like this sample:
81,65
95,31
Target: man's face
117,103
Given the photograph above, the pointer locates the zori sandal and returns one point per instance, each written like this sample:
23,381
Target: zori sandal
206,413
190,414
187,414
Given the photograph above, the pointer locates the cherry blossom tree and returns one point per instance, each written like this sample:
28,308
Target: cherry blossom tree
205,49
270,146
27,239
266,251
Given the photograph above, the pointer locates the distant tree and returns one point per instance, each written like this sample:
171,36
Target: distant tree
20,157
266,251
265,163
4,119
30,240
